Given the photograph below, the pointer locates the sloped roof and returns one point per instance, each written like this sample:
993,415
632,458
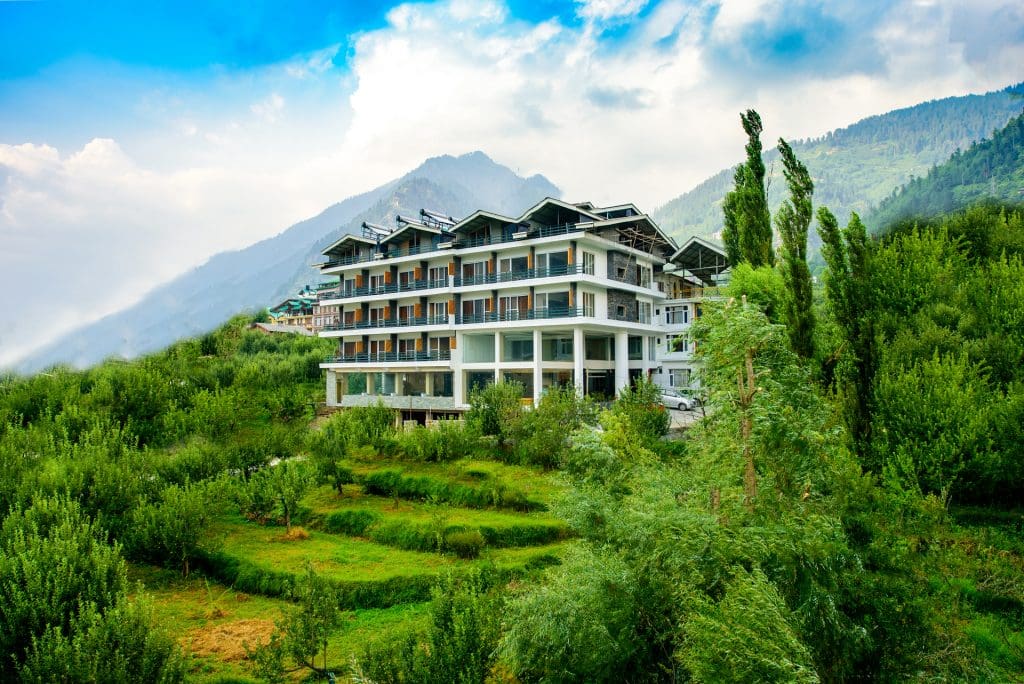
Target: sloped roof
702,257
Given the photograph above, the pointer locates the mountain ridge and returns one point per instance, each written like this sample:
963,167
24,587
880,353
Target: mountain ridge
267,271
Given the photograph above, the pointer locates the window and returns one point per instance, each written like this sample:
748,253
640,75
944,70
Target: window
514,308
377,315
517,347
405,278
678,344
620,311
679,377
406,313
438,276
650,348
588,263
552,263
644,312
512,265
406,346
643,276
556,347
376,281
635,348
438,312
440,344
676,315
377,348
589,304
620,273
349,286
552,304
474,272
474,310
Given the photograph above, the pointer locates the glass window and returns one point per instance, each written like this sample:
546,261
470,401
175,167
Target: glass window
512,264
559,378
478,380
414,384
443,384
514,308
524,379
552,304
517,347
588,263
589,304
636,348
598,348
553,263
478,348
556,347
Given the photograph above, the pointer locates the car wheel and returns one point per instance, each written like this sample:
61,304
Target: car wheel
681,407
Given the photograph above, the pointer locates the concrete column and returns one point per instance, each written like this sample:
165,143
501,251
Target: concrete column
370,388
538,357
332,388
399,389
621,361
497,356
458,390
428,384
578,354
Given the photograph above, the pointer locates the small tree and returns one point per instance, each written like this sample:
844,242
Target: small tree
496,409
640,408
748,228
302,634
289,482
169,531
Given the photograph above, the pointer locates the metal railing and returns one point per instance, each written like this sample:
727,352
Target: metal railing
518,315
459,243
391,357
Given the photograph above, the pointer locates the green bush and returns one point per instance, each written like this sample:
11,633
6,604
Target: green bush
393,484
465,543
495,409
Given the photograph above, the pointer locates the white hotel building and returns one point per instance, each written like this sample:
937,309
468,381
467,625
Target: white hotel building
564,294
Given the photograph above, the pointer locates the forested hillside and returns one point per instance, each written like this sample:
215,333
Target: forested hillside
991,169
846,516
856,167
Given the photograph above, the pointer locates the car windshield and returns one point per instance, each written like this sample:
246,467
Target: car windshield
670,393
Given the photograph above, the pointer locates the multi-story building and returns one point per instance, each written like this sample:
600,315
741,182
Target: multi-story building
566,294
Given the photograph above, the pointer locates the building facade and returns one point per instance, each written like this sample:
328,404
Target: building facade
566,294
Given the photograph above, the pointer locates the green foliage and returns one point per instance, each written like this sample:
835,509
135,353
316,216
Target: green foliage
457,646
393,483
747,231
748,636
991,169
541,436
302,635
170,531
495,408
465,543
640,410
64,611
793,219
580,625
761,286
275,491
446,440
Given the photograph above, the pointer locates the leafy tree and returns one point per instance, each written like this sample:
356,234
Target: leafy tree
847,256
748,636
494,409
302,634
169,531
793,219
748,229
640,408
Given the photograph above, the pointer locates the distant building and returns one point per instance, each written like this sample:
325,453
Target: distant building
296,310
566,294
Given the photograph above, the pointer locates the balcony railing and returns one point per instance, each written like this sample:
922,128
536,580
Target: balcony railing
459,243
519,315
391,357
457,281
389,323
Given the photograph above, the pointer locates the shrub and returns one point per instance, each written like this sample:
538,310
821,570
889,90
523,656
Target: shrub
494,409
640,407
465,543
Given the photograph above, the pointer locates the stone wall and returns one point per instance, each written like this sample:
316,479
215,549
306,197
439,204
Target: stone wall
617,298
617,260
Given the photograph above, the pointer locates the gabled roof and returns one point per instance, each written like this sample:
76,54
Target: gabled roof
410,226
348,237
479,219
630,226
549,204
702,257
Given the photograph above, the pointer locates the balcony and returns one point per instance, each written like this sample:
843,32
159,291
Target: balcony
517,315
392,357
456,281
389,323
460,243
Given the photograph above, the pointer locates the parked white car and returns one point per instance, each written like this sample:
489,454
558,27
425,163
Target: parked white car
672,399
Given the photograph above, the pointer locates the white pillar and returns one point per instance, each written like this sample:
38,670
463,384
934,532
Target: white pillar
370,389
332,388
578,354
428,383
538,376
621,361
399,384
456,364
497,356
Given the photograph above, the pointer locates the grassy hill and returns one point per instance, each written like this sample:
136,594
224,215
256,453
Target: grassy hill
856,167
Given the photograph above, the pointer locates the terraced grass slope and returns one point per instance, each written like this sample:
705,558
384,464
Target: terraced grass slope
383,543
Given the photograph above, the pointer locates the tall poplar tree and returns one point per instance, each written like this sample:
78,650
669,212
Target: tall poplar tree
748,227
793,219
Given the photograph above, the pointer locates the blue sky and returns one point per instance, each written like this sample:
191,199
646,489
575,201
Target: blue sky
136,140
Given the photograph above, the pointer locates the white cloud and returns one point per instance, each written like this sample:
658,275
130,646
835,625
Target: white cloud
199,168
